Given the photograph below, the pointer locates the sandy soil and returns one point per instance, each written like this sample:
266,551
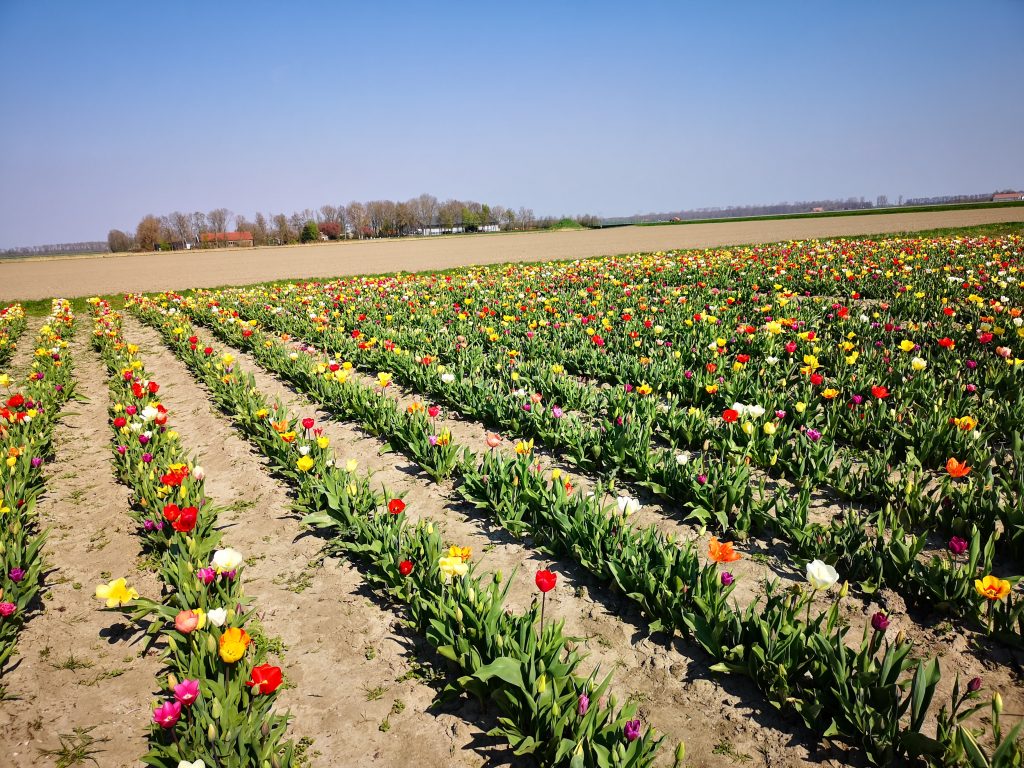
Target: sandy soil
86,276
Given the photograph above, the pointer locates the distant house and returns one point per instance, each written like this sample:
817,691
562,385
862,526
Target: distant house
1006,197
434,229
226,239
819,209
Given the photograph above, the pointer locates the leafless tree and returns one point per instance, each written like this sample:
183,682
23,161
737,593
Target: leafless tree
358,219
147,234
118,241
259,230
180,225
218,219
282,232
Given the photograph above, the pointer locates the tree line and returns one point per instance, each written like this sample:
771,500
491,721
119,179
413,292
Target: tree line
805,206
357,220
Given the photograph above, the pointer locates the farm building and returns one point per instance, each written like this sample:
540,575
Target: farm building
226,239
1006,197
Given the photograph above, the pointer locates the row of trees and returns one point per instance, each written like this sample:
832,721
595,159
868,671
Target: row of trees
806,206
377,218
90,246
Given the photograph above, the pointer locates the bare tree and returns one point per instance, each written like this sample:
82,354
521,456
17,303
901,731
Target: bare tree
282,232
218,219
118,241
259,230
426,209
147,234
180,225
358,220
509,218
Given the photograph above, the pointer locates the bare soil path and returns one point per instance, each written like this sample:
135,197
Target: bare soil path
80,667
24,351
91,275
717,718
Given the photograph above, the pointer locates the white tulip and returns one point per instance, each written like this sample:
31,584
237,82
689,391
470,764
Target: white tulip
821,575
217,616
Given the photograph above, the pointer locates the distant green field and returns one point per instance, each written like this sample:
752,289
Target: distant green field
830,214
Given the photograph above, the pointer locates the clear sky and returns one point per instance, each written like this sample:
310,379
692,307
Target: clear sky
112,110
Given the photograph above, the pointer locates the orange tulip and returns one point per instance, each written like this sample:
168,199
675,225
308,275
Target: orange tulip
992,588
721,552
956,468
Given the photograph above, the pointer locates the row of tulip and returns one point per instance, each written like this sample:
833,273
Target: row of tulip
872,548
28,417
218,695
12,325
799,661
548,707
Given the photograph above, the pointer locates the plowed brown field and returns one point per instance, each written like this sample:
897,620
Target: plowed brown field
91,275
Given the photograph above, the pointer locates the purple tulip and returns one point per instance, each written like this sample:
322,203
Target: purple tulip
16,574
206,575
813,435
972,364
957,546
688,375
143,439
583,705
858,399
121,449
727,579
632,730
702,479
975,685
149,526
36,462
557,412
147,458
879,622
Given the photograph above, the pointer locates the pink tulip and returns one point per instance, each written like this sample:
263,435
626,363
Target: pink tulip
206,575
167,714
187,691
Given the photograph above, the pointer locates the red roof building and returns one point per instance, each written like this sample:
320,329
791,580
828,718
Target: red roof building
227,239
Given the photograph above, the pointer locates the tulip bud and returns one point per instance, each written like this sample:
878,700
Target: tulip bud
471,595
997,703
974,685
680,754
265,728
215,708
211,733
845,589
172,680
458,614
498,576
211,645
500,641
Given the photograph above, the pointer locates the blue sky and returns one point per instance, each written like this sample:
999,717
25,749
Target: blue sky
114,110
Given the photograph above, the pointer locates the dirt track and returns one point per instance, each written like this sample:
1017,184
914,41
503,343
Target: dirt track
88,276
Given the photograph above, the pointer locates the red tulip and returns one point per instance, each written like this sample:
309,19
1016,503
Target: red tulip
307,423
545,580
729,415
265,679
880,392
186,521
405,567
396,506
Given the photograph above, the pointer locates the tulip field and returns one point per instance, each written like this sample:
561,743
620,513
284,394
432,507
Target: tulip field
760,505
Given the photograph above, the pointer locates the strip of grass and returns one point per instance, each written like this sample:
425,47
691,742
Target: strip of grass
830,214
